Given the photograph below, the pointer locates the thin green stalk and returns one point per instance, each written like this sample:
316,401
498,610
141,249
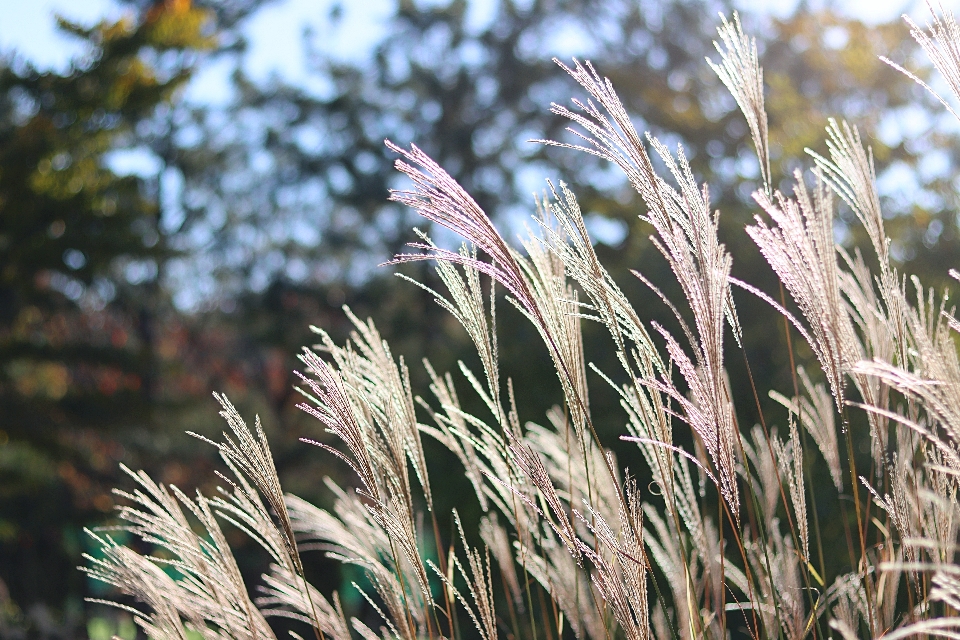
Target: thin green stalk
860,524
761,530
663,606
543,612
443,570
803,432
514,624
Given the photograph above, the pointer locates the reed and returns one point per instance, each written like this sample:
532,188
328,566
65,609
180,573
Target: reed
571,545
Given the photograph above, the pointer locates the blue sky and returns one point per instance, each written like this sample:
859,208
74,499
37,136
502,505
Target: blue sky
274,34
275,38
275,31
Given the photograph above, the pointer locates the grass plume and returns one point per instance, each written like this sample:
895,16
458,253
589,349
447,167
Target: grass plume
570,544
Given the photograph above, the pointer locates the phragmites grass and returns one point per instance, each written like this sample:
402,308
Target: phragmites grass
568,543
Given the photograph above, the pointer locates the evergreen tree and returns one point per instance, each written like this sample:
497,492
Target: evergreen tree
80,253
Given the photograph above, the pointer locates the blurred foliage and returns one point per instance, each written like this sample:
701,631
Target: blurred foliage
80,253
125,300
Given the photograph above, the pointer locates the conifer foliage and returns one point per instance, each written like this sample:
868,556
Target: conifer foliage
80,253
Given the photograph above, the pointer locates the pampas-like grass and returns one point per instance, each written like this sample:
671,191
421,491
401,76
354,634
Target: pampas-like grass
571,544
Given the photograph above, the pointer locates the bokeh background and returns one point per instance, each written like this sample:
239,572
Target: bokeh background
186,186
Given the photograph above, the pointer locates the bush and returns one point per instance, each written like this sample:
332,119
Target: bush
721,542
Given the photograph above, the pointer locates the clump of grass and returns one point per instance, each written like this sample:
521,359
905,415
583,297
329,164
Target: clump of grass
570,544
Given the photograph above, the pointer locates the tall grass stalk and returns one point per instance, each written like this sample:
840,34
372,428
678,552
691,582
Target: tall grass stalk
571,545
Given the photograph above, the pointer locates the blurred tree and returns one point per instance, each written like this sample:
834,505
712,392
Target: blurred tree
288,182
80,253
286,186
